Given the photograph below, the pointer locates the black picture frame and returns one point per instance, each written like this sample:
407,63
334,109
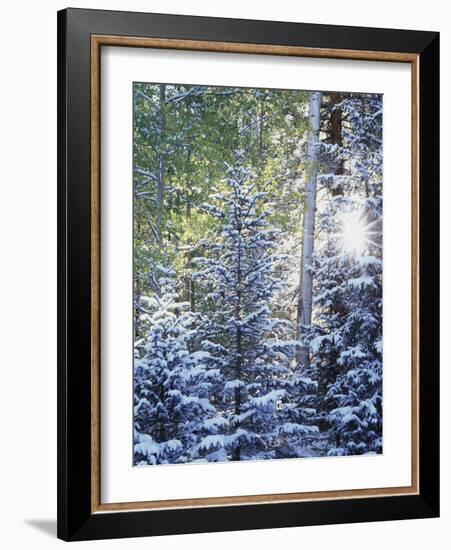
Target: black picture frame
76,521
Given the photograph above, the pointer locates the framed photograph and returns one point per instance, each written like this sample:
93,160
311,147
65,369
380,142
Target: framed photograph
248,274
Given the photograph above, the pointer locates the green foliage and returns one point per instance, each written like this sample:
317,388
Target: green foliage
185,141
184,137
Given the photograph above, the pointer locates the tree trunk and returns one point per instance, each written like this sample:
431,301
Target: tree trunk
261,128
160,183
336,123
236,453
304,319
189,281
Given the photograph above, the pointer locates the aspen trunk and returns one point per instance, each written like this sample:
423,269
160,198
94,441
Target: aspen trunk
304,319
160,183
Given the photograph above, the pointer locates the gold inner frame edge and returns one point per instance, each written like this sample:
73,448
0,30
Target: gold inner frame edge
97,41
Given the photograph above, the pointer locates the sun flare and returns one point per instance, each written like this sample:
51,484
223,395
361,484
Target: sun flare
355,233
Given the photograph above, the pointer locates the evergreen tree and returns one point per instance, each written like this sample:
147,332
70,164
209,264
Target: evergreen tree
246,343
241,353
346,339
172,384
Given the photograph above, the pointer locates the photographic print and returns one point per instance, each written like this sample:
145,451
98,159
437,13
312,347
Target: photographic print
257,293
226,298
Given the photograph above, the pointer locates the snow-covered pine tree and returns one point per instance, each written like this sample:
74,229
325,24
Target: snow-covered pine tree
346,339
259,400
172,383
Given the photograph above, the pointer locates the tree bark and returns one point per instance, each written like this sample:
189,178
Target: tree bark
336,123
236,453
160,183
304,318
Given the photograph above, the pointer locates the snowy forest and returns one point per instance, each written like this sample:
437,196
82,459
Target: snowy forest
257,274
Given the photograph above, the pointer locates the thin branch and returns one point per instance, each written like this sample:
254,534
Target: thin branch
146,173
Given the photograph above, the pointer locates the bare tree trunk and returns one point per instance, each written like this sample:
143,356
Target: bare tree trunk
261,128
189,281
336,138
304,319
160,183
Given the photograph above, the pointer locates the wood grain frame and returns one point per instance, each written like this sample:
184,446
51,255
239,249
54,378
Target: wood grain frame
85,516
